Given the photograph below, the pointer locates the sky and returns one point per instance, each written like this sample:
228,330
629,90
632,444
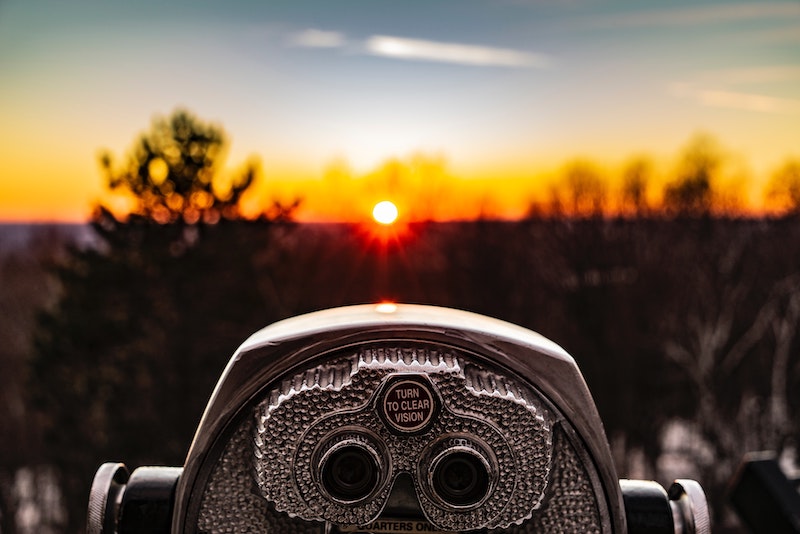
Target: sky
498,93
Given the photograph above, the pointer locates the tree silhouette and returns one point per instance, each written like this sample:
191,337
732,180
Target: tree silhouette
730,324
125,360
26,287
783,189
173,173
691,194
582,191
635,182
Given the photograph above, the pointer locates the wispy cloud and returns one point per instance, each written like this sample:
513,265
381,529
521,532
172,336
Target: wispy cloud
458,53
404,48
314,38
736,100
701,15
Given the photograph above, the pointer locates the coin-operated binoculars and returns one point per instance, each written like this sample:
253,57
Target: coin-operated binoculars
395,418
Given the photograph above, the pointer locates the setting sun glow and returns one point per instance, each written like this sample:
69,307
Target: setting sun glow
385,212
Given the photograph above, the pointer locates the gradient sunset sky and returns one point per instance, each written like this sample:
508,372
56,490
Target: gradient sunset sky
502,90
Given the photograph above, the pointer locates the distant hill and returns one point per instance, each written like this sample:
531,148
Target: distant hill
17,236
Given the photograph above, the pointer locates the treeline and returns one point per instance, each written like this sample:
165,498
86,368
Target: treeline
702,179
691,320
703,182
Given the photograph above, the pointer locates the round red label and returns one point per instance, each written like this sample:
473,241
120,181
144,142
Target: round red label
408,405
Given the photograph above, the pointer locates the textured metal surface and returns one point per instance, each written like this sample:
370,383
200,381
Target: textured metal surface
572,505
107,487
265,480
690,506
232,503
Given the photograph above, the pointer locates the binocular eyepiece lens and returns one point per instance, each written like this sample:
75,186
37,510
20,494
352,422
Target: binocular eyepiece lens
349,473
460,478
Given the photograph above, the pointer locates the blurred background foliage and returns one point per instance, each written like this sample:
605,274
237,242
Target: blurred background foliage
682,315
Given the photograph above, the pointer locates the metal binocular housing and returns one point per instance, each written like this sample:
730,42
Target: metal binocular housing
395,418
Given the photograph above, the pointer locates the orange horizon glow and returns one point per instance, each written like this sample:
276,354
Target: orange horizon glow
421,187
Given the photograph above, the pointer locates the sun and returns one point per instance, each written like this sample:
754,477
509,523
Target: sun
385,212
